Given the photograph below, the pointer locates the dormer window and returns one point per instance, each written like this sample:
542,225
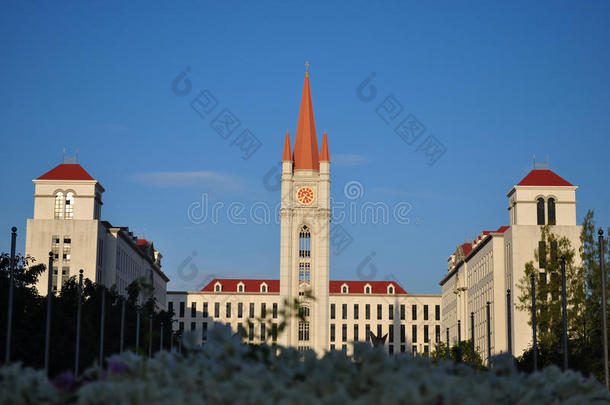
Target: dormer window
241,287
344,289
218,287
367,289
263,288
390,289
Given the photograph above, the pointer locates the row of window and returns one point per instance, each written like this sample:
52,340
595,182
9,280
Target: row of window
390,333
550,219
227,313
241,287
250,335
390,348
56,248
398,311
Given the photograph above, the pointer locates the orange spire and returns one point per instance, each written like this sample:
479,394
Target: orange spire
306,143
324,152
287,156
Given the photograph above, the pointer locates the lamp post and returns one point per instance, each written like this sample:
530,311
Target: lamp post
150,329
161,338
102,324
488,333
122,337
11,281
509,323
47,339
564,305
602,268
459,351
78,318
448,347
534,338
472,337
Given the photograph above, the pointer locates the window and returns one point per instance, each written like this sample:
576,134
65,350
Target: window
332,311
263,310
193,309
304,270
414,333
263,288
426,349
240,330
425,312
414,312
240,287
344,347
355,332
251,331
332,347
367,289
182,305
344,289
65,274
217,310
181,326
541,254
274,332
204,331
240,310
391,349
355,311
367,333
379,311
55,246
205,310
402,348
367,311
59,205
332,332
540,210
263,332
68,249
426,334
391,333
344,333
251,310
69,205
303,330
218,287
402,334
344,311
391,289
274,310
170,307
304,242
391,311
551,211
378,331
228,310
402,312
437,312
437,333
553,251
193,326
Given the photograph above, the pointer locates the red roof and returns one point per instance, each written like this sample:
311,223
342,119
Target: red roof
67,171
287,155
306,154
467,248
501,229
334,287
543,177
324,156
142,242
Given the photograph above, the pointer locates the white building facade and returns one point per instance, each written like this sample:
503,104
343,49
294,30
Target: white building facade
484,269
341,312
67,222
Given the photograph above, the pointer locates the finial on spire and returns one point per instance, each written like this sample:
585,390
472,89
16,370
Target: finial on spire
306,68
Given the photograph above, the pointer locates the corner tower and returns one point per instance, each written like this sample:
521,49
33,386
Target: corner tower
305,222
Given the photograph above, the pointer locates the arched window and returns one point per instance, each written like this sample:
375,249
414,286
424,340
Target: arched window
344,289
391,289
551,211
217,287
304,242
240,287
303,324
69,205
264,288
304,272
367,289
59,205
540,210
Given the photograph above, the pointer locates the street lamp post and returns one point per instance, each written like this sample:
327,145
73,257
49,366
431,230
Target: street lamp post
11,281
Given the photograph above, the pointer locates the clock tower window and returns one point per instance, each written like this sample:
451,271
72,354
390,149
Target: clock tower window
304,242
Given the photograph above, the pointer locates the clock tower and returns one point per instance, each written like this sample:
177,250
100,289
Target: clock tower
305,226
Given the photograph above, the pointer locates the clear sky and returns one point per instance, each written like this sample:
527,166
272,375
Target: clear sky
494,83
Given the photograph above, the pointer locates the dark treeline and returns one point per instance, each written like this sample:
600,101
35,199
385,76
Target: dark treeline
29,319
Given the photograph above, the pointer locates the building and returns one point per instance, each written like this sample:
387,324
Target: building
484,269
342,311
67,221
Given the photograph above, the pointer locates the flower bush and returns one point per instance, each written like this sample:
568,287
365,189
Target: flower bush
225,370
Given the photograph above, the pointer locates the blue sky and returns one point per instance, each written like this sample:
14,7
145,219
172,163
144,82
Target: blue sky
494,83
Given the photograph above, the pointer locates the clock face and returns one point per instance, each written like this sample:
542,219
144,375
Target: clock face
305,195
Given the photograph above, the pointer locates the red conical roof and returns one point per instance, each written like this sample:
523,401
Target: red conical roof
287,156
306,143
324,152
